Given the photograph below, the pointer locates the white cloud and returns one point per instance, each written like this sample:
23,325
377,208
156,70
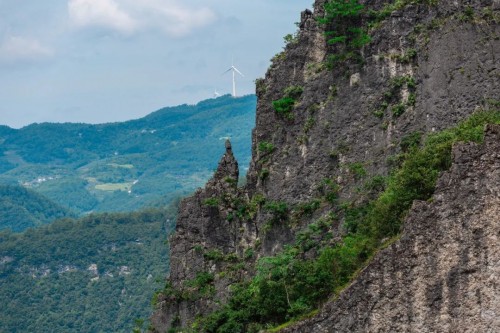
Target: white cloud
101,13
16,49
172,17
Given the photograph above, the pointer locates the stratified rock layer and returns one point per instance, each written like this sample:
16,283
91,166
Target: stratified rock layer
443,275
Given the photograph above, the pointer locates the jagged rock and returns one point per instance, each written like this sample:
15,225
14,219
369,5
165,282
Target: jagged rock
202,225
453,72
443,274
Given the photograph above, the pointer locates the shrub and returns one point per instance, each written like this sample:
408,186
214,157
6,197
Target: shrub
249,253
398,109
211,202
294,92
357,169
329,190
410,141
264,173
265,147
376,184
284,107
416,178
214,254
412,99
308,208
278,209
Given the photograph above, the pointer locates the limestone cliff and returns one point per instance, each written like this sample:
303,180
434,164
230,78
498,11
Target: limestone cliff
443,274
429,65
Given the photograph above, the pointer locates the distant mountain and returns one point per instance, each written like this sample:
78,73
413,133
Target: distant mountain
21,208
95,274
128,165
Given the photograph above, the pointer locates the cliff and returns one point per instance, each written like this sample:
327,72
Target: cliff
334,122
442,275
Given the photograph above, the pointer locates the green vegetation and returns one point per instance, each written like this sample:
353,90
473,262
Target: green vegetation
265,147
329,189
344,28
264,174
392,97
203,282
294,92
348,24
357,169
291,39
467,15
279,211
309,124
211,202
95,274
398,109
288,286
21,208
285,105
407,57
166,154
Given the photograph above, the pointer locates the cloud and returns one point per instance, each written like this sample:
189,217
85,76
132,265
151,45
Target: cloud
20,49
171,17
101,13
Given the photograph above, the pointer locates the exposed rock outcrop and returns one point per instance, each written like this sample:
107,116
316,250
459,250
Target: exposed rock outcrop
426,68
443,274
204,243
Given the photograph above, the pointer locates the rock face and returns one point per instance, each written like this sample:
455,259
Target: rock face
426,68
205,241
443,274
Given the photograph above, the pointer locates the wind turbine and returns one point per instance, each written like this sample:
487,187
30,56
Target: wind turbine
216,94
234,70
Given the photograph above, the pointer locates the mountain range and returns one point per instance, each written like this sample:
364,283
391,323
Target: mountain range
127,165
65,264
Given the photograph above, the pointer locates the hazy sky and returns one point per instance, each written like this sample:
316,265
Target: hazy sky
111,60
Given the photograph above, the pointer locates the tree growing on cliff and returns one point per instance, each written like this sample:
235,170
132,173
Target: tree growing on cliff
344,27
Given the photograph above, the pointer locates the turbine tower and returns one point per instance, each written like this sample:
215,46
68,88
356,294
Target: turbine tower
234,70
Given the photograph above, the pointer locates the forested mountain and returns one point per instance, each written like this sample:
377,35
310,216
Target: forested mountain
128,165
95,274
21,208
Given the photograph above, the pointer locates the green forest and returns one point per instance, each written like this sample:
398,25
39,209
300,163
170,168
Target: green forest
125,166
86,210
21,208
94,274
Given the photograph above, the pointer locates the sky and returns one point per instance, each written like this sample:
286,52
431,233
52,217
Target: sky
98,61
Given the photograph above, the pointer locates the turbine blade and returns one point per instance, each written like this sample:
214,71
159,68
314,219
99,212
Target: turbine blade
237,71
230,69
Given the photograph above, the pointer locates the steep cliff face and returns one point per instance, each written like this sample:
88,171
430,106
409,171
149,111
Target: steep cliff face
426,68
340,119
454,68
443,274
